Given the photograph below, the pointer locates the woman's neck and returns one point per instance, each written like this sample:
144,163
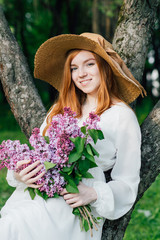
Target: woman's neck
89,105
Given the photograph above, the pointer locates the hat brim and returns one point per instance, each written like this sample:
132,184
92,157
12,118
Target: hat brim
51,56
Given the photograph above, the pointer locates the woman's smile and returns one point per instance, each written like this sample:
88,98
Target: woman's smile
85,82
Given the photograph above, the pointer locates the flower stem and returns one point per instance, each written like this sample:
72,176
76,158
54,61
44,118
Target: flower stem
84,215
94,225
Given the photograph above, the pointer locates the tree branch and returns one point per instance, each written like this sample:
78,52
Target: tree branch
17,81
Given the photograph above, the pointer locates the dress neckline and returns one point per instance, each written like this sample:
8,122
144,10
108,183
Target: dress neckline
83,118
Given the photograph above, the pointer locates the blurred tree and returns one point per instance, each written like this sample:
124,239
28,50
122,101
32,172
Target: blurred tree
28,20
105,16
132,38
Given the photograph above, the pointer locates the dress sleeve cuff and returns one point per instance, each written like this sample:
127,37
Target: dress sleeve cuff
12,181
104,205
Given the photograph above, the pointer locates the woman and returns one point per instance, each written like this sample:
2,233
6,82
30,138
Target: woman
90,76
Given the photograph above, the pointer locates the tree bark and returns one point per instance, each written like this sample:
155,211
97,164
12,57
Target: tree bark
17,82
131,40
133,33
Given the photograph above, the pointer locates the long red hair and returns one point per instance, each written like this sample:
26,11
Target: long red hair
71,96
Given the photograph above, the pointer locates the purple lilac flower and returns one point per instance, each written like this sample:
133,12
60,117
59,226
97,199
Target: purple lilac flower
63,127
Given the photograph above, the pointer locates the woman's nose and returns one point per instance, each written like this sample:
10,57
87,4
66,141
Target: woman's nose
82,72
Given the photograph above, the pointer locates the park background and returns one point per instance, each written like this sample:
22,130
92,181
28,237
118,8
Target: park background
34,21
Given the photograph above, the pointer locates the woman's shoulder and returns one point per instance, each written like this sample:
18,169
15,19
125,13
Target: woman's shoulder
119,114
119,108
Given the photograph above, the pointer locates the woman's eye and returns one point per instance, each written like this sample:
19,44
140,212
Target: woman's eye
73,69
91,64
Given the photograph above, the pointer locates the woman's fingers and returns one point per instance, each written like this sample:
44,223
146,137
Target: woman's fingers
28,174
20,163
77,204
35,185
85,196
69,196
63,192
29,168
35,179
34,172
72,200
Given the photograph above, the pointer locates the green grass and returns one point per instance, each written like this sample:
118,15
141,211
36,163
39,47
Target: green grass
141,226
5,189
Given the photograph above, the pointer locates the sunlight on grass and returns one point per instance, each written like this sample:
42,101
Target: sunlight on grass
145,221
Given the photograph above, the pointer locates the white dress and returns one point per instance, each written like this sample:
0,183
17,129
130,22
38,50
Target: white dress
26,219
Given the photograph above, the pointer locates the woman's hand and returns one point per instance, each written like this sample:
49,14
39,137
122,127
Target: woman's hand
85,196
27,175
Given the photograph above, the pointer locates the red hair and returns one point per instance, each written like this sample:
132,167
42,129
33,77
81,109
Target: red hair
71,96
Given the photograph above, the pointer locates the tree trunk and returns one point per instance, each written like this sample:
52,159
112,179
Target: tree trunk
17,82
131,40
95,21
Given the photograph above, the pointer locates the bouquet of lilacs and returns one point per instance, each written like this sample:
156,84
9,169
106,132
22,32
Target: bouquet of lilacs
66,154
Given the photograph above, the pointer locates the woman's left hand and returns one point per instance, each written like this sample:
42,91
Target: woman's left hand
85,196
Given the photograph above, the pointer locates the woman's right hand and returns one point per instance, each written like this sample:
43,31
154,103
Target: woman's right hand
27,175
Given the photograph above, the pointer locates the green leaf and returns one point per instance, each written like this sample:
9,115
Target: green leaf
88,156
39,192
83,129
42,194
77,180
74,156
87,175
86,225
31,192
94,134
99,218
88,207
70,181
89,150
93,164
100,134
83,165
76,212
79,143
49,165
46,139
67,169
56,195
72,189
78,173
95,153
45,196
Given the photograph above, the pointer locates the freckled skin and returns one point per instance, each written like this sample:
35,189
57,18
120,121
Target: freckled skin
85,73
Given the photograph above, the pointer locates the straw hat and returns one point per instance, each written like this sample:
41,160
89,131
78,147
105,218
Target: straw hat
51,56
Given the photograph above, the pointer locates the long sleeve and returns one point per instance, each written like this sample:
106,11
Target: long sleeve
12,181
116,197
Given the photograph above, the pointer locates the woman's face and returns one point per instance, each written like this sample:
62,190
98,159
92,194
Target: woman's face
85,73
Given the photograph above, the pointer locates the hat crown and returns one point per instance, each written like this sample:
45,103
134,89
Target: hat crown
98,39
